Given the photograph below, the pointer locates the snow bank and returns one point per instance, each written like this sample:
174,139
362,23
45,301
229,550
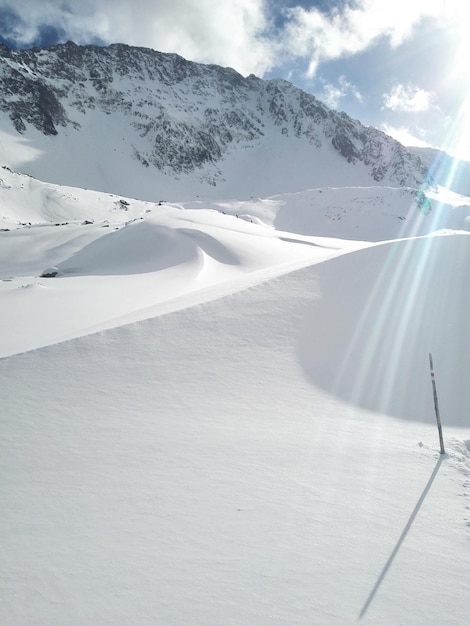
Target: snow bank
192,468
378,314
240,429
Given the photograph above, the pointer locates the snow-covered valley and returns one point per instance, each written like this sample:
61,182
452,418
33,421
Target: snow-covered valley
219,410
240,428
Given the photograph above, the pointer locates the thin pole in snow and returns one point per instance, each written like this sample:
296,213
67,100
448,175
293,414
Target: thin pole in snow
436,405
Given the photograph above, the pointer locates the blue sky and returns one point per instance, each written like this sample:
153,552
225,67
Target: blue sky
399,66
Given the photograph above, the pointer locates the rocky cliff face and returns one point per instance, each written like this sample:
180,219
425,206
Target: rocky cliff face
185,117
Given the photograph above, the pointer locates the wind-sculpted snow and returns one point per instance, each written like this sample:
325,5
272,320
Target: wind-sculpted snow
139,247
162,252
377,315
201,467
196,386
119,260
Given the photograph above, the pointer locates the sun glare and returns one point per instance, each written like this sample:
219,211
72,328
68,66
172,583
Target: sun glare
458,137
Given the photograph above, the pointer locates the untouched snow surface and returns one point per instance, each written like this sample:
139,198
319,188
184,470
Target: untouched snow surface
257,447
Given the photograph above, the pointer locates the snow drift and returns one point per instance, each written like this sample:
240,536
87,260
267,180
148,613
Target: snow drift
203,467
221,412
379,312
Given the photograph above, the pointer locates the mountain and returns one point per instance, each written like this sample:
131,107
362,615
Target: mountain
219,410
151,125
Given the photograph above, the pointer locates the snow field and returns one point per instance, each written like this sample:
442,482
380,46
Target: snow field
206,420
190,469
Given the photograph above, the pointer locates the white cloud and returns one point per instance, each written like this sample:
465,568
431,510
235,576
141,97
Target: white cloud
408,98
320,37
232,32
211,31
333,93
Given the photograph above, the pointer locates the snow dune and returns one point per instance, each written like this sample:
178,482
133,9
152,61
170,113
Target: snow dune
378,314
122,260
111,276
240,428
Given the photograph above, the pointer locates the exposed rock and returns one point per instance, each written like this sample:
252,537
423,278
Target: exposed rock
190,115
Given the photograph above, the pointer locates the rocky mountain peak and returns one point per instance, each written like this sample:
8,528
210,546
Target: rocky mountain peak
185,118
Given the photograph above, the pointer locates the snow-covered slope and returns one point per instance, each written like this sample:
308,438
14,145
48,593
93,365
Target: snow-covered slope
122,260
144,124
259,445
364,213
219,411
268,457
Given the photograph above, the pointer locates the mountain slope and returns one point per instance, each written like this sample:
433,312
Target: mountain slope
372,213
125,260
145,124
207,417
200,467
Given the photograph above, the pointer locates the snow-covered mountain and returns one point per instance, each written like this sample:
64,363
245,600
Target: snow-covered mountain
151,125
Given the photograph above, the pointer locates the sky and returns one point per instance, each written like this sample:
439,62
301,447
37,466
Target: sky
399,66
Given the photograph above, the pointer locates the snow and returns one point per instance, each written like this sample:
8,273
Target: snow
121,138
212,419
125,260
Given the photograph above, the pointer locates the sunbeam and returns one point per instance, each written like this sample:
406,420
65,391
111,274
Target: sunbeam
409,299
